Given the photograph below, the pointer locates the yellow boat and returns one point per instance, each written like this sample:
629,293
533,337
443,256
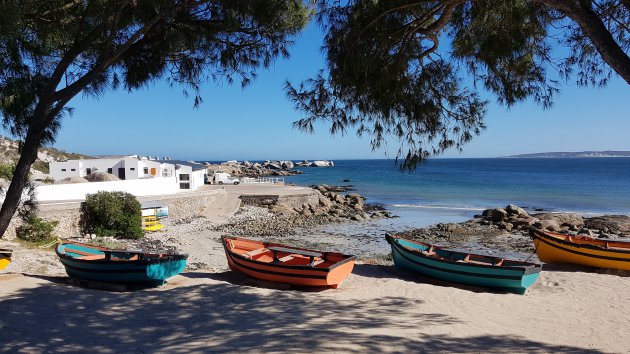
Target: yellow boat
5,257
552,247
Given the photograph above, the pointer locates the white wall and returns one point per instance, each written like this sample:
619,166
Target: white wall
56,169
197,178
77,191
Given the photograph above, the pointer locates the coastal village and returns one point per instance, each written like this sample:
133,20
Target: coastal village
314,176
196,211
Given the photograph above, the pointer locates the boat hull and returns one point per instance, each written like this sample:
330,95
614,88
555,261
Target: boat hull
552,249
5,258
149,271
513,279
291,274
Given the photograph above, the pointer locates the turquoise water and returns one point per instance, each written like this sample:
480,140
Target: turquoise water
466,186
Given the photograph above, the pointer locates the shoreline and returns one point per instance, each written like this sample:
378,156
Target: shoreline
379,309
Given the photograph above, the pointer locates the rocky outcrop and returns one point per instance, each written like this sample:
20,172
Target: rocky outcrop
610,224
330,206
321,163
513,217
249,169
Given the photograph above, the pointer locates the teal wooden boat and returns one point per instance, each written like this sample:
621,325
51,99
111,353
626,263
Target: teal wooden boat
89,262
461,267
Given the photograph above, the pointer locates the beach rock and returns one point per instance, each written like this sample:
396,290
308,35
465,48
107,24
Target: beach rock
568,220
497,214
321,163
515,210
325,202
586,232
522,223
618,224
550,225
304,163
287,164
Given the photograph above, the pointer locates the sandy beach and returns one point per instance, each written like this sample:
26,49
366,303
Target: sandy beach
377,309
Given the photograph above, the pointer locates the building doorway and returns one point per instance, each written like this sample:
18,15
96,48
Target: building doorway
121,172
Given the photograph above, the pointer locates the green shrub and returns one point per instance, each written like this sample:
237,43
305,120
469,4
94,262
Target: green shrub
48,180
36,229
6,170
115,214
41,166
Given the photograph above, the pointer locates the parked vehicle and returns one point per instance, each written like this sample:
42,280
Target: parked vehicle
225,178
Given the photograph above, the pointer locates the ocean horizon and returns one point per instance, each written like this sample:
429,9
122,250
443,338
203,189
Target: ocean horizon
461,187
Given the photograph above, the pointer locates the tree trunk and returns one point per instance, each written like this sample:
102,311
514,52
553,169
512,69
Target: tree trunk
28,156
593,27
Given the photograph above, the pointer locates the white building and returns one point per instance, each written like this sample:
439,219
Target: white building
187,175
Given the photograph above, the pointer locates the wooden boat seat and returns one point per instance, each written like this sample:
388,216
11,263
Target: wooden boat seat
309,254
286,258
92,257
256,252
317,262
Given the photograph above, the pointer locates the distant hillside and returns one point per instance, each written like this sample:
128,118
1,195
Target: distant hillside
9,154
580,154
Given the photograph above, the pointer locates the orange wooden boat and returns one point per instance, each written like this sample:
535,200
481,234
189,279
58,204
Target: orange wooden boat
552,247
282,264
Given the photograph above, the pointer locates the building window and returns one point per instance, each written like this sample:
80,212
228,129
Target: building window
184,177
74,169
88,171
132,169
63,170
109,170
184,186
146,170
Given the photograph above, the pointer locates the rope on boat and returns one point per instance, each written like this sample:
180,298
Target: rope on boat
48,245
533,253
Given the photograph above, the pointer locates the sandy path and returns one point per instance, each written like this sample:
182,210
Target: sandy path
376,309
222,208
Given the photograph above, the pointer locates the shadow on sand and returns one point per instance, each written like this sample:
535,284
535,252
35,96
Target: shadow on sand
223,317
576,268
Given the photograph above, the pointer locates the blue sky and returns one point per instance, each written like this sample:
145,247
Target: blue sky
255,123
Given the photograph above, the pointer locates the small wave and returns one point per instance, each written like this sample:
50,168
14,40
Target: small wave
449,207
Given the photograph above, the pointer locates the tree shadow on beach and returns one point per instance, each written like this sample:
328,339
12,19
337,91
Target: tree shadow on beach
576,268
222,317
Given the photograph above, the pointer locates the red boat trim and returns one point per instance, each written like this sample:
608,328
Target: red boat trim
288,267
277,273
534,232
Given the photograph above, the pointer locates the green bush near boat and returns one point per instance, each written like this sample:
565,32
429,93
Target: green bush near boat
36,230
115,214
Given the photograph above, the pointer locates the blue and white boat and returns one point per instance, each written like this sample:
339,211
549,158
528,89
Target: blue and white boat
461,267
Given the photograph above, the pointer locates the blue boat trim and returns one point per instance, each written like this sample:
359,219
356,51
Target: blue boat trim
530,268
87,270
590,255
278,273
151,268
402,252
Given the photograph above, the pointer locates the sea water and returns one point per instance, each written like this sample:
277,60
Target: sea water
453,190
